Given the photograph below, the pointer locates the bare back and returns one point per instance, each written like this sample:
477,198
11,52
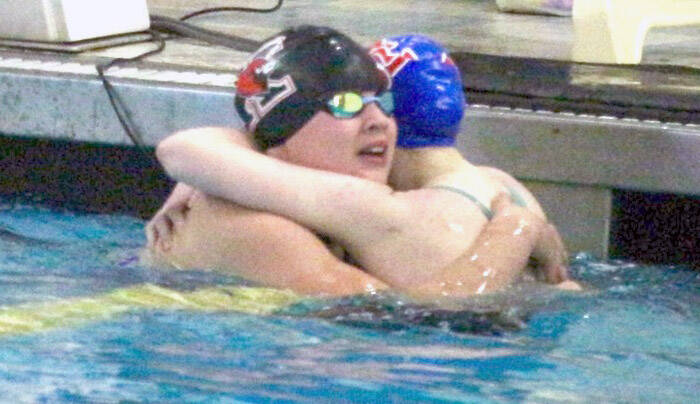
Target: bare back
442,226
261,247
400,237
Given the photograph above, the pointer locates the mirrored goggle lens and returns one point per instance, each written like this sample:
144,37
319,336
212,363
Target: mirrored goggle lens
349,104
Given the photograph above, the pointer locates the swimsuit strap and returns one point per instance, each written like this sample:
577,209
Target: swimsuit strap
517,198
484,209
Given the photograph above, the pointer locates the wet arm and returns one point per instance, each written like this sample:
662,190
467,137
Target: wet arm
496,259
222,162
549,252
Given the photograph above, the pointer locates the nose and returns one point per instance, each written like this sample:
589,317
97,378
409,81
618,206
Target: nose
374,120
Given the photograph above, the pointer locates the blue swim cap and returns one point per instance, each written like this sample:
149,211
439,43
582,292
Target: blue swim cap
428,95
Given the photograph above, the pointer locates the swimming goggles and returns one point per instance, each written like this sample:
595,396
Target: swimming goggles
348,104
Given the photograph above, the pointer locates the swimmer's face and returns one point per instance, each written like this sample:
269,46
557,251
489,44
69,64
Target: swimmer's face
362,146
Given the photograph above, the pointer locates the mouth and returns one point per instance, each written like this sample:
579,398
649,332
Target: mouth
375,153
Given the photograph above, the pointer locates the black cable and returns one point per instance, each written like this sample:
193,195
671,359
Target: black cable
118,106
243,9
172,25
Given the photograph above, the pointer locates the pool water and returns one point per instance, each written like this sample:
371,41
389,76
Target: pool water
633,337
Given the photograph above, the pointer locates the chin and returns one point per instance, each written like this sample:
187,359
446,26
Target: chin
380,177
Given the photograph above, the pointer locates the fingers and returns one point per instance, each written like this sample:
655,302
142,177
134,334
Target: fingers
151,235
163,227
177,217
551,255
569,285
558,244
171,216
500,203
549,272
160,228
557,274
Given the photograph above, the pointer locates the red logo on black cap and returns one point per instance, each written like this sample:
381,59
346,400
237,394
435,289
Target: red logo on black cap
253,79
261,92
250,81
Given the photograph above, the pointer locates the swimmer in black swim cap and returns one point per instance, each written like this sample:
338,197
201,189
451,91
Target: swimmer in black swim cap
311,97
294,74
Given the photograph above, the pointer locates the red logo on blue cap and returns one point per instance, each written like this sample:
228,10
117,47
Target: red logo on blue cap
445,58
385,53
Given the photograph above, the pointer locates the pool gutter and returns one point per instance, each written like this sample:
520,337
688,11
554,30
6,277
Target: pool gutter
573,161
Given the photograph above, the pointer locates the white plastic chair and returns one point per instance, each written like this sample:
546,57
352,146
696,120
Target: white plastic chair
613,31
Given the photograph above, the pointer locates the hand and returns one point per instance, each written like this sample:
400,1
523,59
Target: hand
549,251
170,216
569,285
500,204
551,256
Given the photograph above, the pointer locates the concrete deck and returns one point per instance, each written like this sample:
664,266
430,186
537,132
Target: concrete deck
575,160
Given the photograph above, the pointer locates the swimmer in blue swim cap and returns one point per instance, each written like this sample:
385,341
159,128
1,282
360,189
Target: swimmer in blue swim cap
428,95
425,242
429,105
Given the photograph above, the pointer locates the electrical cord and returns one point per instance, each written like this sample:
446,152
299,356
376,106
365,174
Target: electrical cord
165,25
118,106
222,9
171,25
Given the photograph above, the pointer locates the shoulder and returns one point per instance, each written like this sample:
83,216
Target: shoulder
229,235
234,222
497,174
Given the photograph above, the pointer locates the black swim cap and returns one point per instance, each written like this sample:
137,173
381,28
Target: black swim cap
285,82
